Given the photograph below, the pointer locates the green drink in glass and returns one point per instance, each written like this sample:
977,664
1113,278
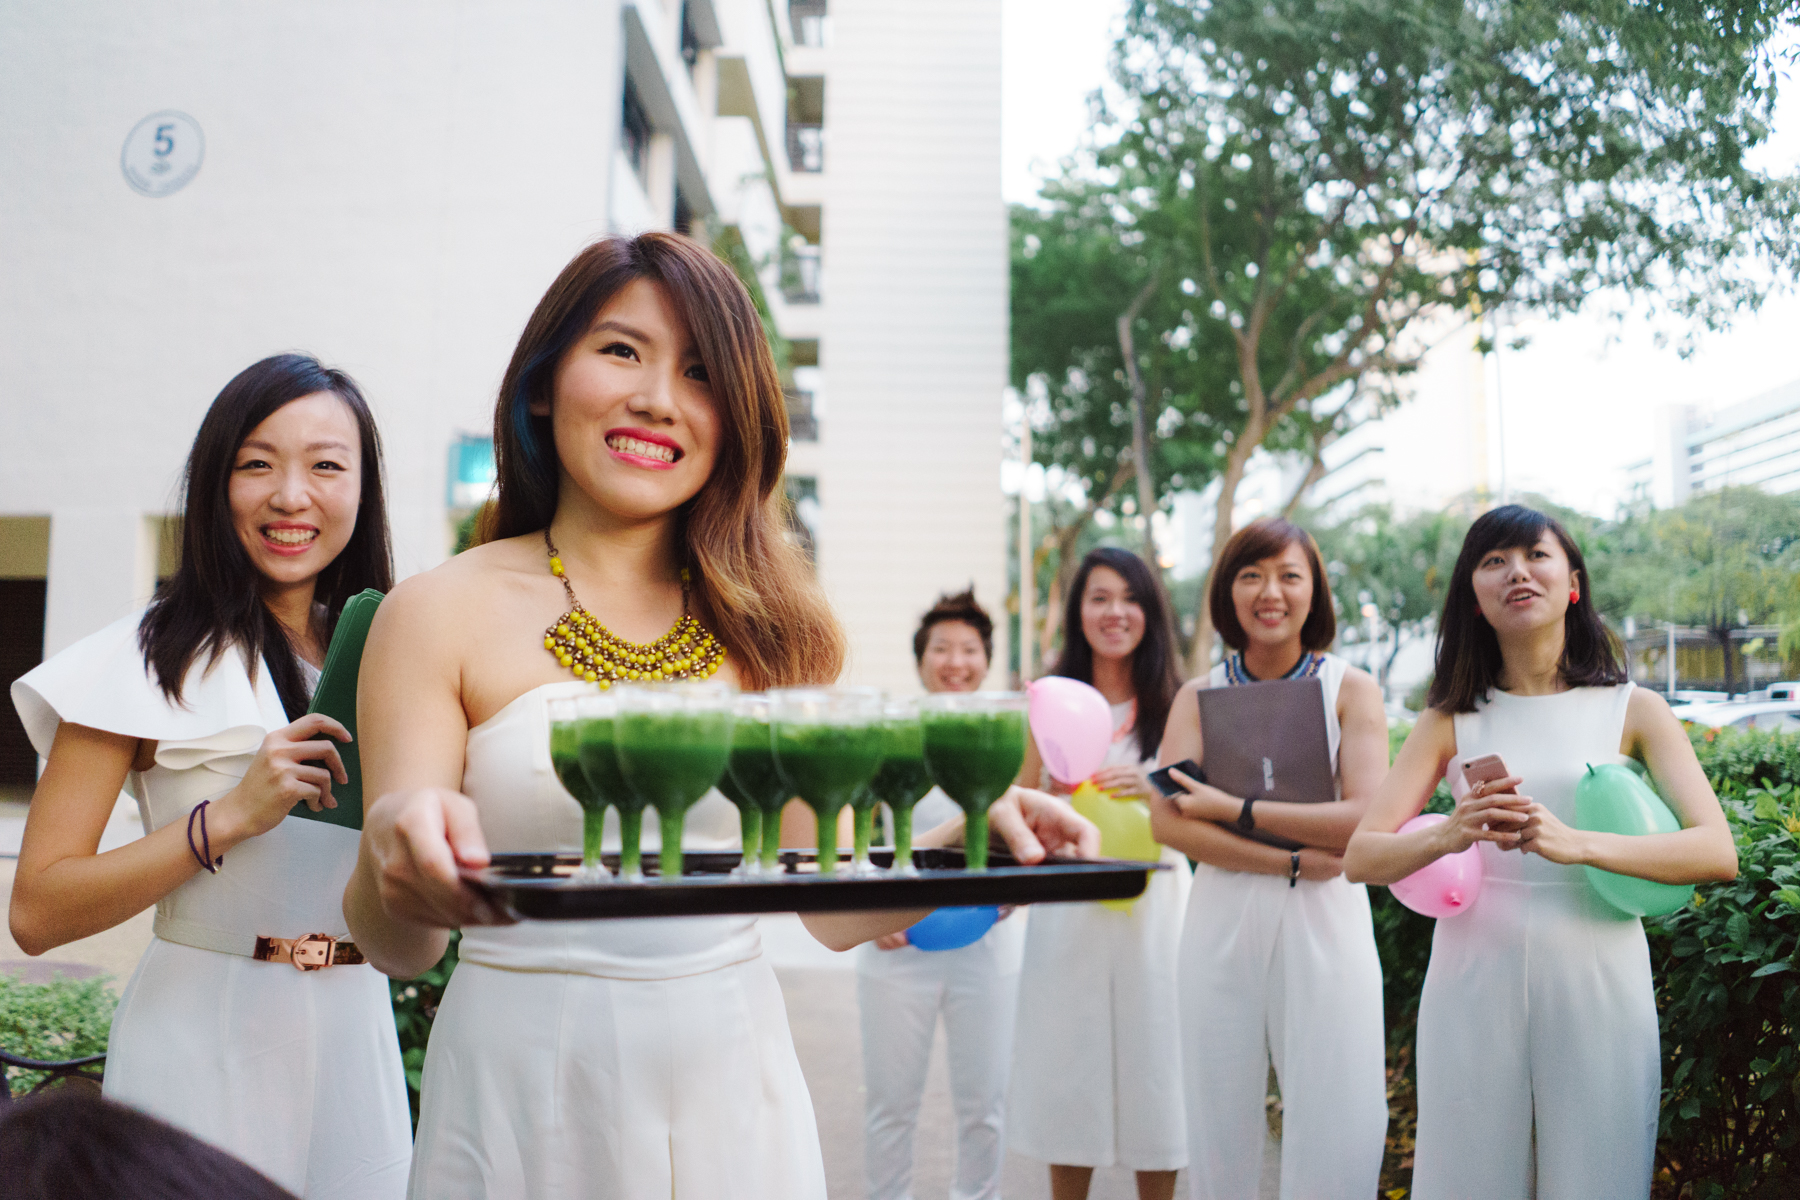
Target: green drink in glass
672,740
974,744
753,773
600,764
749,818
565,759
828,745
902,780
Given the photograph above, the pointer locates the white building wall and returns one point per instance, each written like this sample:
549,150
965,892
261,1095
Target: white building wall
914,337
389,186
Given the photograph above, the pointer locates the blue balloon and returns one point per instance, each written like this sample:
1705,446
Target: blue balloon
953,928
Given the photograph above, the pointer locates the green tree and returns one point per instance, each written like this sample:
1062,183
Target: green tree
1400,565
1322,181
1722,561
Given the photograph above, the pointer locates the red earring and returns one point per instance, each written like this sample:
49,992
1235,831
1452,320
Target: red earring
1573,596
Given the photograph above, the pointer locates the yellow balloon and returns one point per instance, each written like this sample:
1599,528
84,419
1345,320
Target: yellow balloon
1124,829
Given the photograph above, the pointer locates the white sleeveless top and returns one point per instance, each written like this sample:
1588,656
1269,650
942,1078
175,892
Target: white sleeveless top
525,809
1331,676
1548,741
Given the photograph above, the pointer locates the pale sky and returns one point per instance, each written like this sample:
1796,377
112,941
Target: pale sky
1575,403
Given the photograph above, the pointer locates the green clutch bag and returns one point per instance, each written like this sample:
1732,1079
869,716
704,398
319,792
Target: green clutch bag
336,698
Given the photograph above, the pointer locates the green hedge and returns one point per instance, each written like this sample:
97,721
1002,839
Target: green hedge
1728,994
52,1022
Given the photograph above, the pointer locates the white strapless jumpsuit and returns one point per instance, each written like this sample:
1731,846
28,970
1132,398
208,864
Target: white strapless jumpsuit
1538,1010
631,1058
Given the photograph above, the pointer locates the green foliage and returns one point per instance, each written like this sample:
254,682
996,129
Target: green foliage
53,1022
1401,565
415,1008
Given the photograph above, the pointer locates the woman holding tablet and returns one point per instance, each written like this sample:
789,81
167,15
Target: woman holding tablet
1538,1051
1094,1081
1278,957
640,436
197,707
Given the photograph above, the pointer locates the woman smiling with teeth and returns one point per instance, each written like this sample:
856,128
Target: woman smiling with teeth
197,706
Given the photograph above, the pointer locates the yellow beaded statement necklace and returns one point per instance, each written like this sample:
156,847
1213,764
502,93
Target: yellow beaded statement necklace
595,653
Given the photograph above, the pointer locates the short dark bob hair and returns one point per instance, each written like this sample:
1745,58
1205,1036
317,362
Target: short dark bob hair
214,599
1260,539
1468,653
960,607
1155,670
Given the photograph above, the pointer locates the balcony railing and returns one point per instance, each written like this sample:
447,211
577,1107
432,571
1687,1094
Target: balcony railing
806,147
803,425
800,274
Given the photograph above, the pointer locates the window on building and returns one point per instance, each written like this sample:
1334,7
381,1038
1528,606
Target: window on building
809,22
802,492
635,131
684,215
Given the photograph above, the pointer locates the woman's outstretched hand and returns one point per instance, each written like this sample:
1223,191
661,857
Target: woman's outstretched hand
1124,782
418,842
295,764
1491,811
1034,825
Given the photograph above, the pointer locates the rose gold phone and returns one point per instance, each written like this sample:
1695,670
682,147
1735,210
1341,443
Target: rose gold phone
1486,769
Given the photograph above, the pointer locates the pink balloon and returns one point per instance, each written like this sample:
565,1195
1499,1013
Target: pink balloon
1072,723
1442,888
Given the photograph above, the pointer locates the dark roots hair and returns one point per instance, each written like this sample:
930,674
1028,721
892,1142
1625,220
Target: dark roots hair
960,607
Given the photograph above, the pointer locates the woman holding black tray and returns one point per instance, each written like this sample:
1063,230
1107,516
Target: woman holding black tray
1278,958
1540,1071
640,435
1095,1080
198,707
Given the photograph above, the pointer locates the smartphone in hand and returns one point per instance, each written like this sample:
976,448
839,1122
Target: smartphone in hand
1166,783
1489,768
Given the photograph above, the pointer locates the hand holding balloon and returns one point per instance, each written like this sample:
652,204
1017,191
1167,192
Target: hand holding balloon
1446,886
1610,799
1072,725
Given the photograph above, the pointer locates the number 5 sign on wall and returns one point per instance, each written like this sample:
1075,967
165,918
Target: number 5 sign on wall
162,153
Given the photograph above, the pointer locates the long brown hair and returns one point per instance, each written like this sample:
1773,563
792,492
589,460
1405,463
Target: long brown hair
753,588
1155,675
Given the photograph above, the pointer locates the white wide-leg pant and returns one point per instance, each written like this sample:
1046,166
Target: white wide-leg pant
1538,1009
1289,974
901,993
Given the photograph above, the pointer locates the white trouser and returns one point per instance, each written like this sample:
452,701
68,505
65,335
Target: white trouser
1538,1004
1289,974
901,993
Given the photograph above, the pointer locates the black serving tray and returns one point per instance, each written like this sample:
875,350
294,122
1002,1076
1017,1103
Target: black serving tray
537,886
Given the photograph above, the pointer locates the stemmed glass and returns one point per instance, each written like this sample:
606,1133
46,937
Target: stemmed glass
902,781
672,740
974,744
565,759
828,744
594,717
753,772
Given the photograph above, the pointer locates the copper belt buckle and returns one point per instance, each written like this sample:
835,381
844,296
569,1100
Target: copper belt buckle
313,951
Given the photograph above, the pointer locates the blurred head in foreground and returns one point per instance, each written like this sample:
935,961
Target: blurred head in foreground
69,1142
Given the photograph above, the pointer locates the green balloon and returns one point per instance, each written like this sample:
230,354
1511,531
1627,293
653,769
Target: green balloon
1611,799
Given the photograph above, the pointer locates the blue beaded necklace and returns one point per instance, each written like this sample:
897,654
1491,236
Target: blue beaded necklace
1306,668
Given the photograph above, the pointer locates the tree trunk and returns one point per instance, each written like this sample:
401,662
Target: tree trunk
1140,421
1200,654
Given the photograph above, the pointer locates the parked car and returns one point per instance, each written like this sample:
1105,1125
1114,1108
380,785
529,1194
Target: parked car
1761,714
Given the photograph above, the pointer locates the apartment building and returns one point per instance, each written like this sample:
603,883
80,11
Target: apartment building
1754,443
391,186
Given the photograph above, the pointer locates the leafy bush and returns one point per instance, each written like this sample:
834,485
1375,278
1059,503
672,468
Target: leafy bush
415,1008
1729,994
52,1022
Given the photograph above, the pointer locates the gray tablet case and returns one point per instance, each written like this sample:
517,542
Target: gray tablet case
1267,741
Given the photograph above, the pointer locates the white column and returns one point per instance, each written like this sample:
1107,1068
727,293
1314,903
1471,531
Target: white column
97,564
